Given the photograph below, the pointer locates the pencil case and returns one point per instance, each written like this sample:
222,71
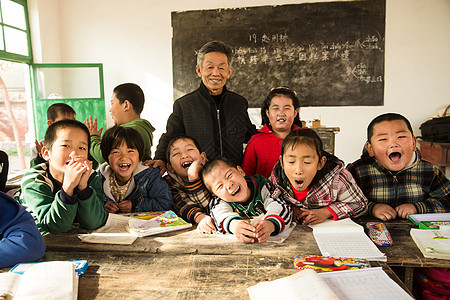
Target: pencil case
379,234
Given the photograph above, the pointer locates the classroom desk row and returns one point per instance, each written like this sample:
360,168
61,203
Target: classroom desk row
190,265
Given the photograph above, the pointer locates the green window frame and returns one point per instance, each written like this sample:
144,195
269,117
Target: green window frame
83,106
10,27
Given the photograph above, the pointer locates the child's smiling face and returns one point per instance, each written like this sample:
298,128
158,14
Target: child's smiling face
228,183
183,153
392,144
123,160
281,114
300,164
70,142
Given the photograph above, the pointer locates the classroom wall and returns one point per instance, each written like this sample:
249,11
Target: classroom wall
133,41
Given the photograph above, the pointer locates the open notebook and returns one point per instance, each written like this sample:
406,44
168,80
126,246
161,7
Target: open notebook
47,280
371,283
345,238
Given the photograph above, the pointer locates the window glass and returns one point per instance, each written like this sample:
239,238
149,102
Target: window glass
13,14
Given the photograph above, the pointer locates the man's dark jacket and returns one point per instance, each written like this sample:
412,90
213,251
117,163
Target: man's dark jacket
221,131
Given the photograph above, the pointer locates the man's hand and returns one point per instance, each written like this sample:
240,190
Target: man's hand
314,216
384,212
243,231
111,207
156,164
92,126
406,209
264,229
205,223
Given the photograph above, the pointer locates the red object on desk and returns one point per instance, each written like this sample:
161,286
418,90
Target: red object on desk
436,153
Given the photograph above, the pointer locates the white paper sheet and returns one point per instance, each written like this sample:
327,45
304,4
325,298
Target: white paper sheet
345,238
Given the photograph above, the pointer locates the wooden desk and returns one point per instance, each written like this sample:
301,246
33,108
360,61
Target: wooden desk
190,265
191,276
436,153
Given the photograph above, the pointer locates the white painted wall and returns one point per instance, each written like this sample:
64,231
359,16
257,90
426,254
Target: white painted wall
133,41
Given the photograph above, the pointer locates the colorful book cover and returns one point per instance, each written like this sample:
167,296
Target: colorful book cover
168,221
327,264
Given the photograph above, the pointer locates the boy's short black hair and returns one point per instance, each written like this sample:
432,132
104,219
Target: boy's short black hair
116,135
52,131
181,137
131,92
214,46
59,109
207,168
387,117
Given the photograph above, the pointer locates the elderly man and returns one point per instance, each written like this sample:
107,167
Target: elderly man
212,114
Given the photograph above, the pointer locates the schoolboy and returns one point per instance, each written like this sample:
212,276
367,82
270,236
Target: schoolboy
127,103
55,112
215,116
191,197
238,197
129,186
20,240
393,175
64,189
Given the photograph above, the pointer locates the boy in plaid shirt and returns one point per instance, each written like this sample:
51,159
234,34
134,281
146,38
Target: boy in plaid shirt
393,175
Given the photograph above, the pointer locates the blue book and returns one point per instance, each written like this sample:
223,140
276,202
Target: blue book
80,266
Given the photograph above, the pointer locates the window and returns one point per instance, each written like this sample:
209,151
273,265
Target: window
15,42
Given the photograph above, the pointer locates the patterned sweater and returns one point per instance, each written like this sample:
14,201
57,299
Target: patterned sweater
260,203
190,197
421,183
336,191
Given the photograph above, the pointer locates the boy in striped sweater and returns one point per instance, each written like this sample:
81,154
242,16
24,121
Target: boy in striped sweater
239,198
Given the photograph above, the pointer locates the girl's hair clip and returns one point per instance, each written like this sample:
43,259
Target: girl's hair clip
284,88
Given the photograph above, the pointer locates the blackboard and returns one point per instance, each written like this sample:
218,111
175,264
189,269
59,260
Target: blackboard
331,53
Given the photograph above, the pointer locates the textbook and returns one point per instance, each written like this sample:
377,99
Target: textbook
372,283
166,222
113,232
345,238
124,230
46,280
430,221
433,243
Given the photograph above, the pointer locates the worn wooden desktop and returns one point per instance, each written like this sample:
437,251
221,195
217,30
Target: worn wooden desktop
190,265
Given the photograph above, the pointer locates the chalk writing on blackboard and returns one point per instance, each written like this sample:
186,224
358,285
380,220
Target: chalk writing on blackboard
331,53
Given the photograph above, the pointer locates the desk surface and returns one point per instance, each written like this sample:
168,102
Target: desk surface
190,265
404,252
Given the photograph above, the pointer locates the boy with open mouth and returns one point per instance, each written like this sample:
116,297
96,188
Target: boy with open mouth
393,175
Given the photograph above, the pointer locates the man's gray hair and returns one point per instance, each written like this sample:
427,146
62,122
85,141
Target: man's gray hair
214,46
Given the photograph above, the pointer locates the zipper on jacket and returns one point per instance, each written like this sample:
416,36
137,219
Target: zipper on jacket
220,132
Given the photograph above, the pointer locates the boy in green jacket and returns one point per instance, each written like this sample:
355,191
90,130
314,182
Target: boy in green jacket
127,103
64,189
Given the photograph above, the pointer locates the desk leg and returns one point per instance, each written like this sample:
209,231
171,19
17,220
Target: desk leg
409,277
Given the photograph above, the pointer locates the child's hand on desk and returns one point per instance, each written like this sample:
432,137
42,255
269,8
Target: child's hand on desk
205,223
111,207
264,229
243,231
314,216
404,210
125,206
384,212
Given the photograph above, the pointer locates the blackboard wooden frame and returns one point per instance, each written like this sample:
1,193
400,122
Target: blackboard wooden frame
331,53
